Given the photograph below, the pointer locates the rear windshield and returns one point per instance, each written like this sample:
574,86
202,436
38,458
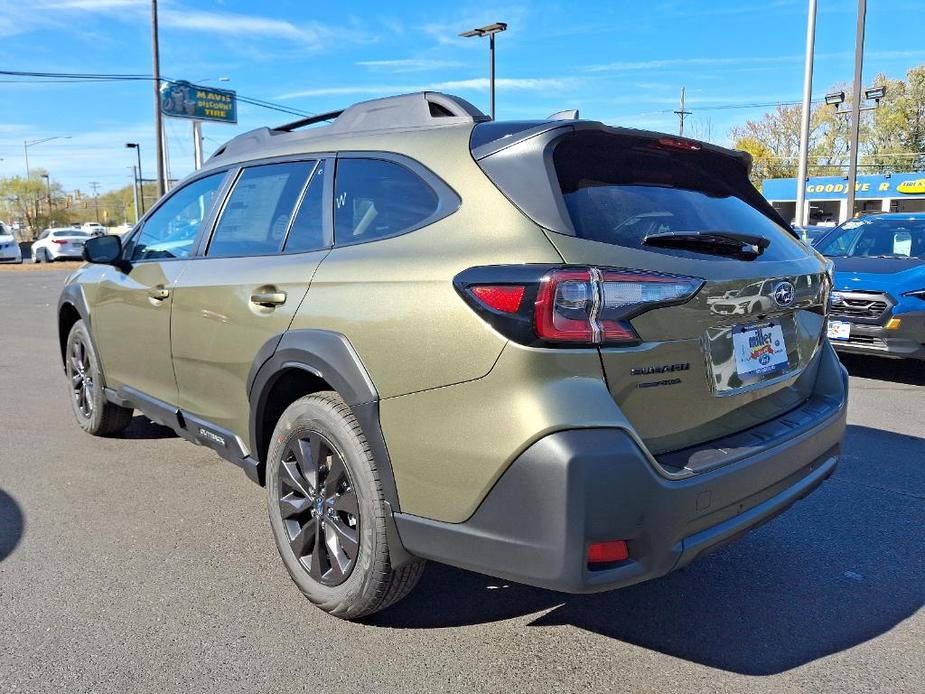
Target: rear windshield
876,238
71,232
619,189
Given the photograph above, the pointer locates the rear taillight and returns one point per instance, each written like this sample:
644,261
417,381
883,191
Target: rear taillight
539,304
59,241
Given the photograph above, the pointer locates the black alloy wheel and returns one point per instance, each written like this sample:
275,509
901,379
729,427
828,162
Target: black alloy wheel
80,375
318,506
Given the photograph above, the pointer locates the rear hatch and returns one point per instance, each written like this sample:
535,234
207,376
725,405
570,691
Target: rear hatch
741,350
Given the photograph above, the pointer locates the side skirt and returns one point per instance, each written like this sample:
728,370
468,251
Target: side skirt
192,428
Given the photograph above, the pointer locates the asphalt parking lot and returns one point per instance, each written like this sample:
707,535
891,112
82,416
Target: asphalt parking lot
145,564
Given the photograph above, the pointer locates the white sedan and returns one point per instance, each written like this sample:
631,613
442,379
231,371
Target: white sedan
9,246
59,244
93,228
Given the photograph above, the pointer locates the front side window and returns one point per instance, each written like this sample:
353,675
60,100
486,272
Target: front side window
876,238
374,199
256,216
171,230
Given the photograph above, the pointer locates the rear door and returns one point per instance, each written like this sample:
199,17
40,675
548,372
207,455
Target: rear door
245,286
740,352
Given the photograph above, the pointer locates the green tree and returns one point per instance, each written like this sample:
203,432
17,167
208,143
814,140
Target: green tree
892,136
35,203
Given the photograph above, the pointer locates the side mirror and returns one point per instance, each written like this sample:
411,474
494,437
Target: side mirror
106,250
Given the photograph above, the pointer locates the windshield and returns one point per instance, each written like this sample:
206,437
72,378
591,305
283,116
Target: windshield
876,238
619,190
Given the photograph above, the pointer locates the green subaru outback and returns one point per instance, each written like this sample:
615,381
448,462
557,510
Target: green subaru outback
553,351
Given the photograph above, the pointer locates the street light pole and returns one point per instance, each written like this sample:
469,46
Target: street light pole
491,73
489,31
48,191
30,143
141,181
158,121
805,118
197,144
135,191
856,106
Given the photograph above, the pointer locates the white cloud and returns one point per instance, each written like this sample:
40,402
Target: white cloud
176,17
629,66
410,64
479,84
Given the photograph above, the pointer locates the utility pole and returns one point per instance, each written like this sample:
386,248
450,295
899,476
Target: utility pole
96,198
681,113
800,216
158,121
856,106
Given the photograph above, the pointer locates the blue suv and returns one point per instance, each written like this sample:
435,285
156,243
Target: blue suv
878,302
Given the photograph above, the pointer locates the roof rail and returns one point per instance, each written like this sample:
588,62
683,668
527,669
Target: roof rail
311,120
403,112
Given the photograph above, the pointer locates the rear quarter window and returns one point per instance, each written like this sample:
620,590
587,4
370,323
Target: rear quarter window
375,198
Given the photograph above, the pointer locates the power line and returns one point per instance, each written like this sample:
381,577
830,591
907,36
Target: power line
68,77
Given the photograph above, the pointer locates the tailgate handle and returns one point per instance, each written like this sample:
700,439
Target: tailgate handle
268,298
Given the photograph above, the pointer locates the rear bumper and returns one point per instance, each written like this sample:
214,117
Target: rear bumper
907,341
573,488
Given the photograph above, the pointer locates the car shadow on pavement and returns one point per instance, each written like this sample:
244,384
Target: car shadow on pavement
841,567
11,524
143,428
908,371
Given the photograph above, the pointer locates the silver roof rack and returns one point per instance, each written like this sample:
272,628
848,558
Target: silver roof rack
407,111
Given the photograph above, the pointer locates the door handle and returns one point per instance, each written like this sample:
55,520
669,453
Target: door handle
159,293
268,298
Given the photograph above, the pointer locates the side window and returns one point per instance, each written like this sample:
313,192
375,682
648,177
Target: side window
43,235
256,216
307,232
171,230
374,198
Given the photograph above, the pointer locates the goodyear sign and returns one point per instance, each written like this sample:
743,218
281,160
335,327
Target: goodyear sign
895,185
185,100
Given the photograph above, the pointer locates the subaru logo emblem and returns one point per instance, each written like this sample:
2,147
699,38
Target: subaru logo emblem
784,293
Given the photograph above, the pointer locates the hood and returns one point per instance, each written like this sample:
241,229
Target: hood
883,274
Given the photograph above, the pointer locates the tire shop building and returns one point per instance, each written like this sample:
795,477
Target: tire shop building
826,196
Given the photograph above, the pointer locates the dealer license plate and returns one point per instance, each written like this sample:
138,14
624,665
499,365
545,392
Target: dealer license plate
839,330
759,348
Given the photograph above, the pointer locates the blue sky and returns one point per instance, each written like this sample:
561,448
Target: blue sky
620,62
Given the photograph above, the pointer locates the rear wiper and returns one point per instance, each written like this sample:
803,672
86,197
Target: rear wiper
719,242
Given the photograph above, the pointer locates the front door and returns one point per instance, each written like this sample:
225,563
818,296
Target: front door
245,289
131,310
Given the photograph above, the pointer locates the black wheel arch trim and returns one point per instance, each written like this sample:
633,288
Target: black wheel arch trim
327,355
72,295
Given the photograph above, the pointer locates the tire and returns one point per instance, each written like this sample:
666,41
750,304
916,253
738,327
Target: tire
321,427
93,412
36,258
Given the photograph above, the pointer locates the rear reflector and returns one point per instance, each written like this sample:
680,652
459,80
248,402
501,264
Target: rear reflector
502,298
608,552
